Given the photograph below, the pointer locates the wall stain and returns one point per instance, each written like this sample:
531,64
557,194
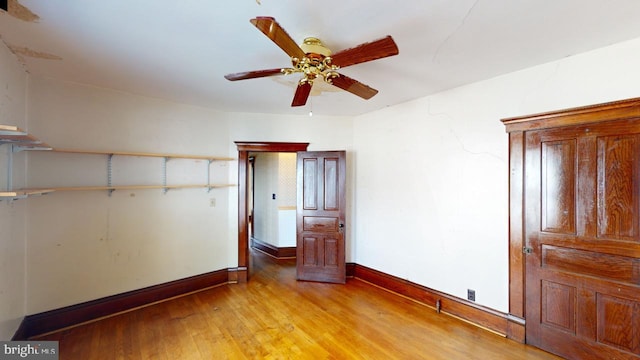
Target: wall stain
21,12
21,52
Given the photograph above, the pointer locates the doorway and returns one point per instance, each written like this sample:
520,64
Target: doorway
244,150
272,203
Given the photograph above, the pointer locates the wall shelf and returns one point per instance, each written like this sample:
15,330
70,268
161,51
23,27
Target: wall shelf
23,193
142,154
130,187
20,140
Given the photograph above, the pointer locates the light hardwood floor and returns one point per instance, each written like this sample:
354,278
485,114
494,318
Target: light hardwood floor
276,317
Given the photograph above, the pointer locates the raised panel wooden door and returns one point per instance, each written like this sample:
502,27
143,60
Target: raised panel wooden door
320,216
581,226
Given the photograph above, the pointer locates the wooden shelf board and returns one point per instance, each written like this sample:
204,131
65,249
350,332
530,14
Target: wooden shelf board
24,193
126,153
10,128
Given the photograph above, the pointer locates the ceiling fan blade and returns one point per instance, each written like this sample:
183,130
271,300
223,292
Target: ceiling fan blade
353,86
302,93
253,74
366,52
278,35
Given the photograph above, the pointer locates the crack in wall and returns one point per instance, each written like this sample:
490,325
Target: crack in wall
19,58
479,153
459,139
462,23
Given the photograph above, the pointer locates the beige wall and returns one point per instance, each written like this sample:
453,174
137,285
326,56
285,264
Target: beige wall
432,174
13,104
265,211
87,245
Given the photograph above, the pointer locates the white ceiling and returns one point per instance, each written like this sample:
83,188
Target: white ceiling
180,50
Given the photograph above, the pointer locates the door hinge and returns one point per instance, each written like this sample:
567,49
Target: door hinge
527,250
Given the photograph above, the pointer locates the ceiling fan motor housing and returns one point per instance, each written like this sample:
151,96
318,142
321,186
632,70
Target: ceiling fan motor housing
316,62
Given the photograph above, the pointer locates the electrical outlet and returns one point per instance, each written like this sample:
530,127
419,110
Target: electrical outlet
471,295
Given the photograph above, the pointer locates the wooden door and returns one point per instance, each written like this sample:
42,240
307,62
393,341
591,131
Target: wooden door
320,216
582,230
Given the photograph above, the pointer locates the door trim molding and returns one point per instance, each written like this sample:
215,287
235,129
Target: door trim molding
615,110
244,148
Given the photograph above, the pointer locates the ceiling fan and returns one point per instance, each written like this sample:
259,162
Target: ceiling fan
314,60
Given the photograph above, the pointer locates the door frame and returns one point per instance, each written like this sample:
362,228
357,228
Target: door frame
244,148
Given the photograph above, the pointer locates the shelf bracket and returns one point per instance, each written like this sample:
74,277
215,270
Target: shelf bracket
18,148
209,175
10,169
109,172
17,197
164,174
